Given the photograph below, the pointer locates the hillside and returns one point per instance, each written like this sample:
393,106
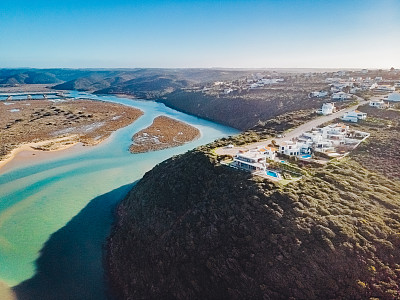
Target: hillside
195,229
145,83
243,111
30,77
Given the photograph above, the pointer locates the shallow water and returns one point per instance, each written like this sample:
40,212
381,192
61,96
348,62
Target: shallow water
40,199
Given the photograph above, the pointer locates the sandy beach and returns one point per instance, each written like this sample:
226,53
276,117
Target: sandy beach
32,153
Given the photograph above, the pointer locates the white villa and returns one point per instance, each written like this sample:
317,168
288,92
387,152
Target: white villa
385,88
377,103
251,160
327,109
324,139
289,148
269,152
354,116
341,96
319,94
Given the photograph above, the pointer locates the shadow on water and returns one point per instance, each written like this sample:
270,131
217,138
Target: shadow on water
70,263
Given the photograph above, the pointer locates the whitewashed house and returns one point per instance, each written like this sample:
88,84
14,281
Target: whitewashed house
320,94
269,152
289,148
341,96
228,91
385,88
252,161
327,109
377,103
355,89
354,116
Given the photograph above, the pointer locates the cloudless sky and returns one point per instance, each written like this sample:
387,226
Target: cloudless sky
201,33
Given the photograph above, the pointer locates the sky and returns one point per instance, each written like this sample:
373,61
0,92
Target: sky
201,33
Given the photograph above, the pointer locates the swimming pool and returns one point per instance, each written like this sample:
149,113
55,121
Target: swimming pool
272,173
306,156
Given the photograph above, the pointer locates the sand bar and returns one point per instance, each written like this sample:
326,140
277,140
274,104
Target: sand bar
164,133
30,125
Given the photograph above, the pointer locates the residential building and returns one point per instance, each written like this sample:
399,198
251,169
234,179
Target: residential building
289,148
384,88
341,96
320,94
354,116
251,161
269,152
327,109
378,103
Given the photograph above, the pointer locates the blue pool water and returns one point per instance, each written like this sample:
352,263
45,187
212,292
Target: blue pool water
306,156
272,173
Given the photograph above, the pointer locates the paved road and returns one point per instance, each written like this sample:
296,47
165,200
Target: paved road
296,132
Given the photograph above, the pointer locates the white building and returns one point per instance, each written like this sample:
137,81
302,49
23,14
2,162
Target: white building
320,94
385,88
228,91
355,89
341,96
327,109
377,103
269,152
289,148
354,116
251,161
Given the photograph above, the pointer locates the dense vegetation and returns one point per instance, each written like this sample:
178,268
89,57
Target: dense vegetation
192,230
195,229
242,111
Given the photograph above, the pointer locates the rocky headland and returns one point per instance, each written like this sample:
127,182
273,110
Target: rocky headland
195,229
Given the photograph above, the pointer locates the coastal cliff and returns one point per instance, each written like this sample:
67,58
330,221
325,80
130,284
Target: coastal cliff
195,229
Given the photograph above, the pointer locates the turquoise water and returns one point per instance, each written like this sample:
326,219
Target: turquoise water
47,200
272,174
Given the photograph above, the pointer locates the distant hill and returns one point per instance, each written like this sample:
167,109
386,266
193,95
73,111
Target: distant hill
39,76
195,229
30,78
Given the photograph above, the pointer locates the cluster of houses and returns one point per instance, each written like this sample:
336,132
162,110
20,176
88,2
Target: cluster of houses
352,116
343,89
326,140
255,81
334,140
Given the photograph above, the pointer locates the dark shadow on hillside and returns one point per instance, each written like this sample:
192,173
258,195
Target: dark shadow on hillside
70,264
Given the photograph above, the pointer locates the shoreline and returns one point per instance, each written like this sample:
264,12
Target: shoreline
31,152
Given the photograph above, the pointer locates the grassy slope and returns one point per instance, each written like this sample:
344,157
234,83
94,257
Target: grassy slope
192,228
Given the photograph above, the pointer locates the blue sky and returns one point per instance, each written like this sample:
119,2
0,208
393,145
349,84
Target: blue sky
236,33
